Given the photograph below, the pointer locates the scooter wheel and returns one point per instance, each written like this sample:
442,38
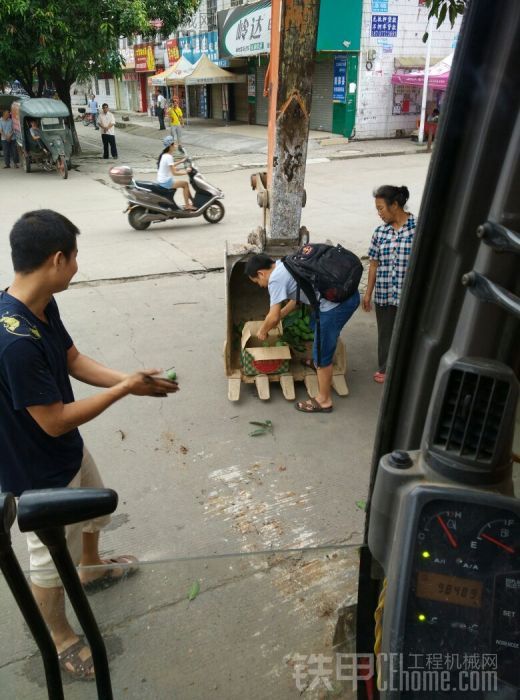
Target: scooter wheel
135,219
214,213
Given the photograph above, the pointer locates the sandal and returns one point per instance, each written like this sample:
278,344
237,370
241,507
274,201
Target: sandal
73,665
379,377
312,406
190,208
111,577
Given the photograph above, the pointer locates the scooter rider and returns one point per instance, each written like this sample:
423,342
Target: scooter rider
167,168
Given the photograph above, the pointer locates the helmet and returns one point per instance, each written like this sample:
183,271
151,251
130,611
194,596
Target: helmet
168,141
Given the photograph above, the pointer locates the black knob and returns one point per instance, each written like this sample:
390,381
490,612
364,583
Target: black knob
400,459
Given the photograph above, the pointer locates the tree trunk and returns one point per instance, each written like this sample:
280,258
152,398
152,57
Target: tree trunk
299,23
63,89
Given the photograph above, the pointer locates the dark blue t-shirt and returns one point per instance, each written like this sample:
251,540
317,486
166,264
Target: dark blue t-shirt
33,372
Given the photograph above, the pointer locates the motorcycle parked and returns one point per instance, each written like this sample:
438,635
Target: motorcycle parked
149,202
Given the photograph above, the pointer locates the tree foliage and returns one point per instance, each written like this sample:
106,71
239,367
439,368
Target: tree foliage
445,9
67,40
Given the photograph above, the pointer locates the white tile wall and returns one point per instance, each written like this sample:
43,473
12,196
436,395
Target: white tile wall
374,118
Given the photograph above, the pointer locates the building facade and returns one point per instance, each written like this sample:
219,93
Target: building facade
392,41
360,45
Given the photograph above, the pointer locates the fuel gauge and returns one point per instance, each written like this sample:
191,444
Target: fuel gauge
500,536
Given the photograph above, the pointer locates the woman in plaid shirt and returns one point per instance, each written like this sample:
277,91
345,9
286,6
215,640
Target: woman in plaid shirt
389,253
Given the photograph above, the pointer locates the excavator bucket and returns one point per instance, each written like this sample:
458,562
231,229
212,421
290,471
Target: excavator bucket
281,196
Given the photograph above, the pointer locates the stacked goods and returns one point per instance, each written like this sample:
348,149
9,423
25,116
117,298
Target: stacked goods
297,330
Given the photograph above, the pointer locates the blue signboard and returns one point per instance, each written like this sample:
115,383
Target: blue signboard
384,25
339,89
379,5
192,47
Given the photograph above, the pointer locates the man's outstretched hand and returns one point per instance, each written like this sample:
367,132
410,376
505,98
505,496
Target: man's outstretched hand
144,383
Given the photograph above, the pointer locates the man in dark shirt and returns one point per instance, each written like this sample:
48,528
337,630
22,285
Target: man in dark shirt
40,443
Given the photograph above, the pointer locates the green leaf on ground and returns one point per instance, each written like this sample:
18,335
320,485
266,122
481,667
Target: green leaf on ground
194,590
361,505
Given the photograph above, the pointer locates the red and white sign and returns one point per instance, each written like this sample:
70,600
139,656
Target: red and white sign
144,58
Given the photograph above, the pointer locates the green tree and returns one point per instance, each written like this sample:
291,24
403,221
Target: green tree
67,40
442,9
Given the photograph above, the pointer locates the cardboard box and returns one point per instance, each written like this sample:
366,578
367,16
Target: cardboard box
255,358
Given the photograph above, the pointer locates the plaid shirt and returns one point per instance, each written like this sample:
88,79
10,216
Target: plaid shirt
392,250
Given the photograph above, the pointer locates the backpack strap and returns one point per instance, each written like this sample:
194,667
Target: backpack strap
310,293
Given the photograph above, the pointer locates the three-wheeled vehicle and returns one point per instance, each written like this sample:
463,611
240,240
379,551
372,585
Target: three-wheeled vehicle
43,134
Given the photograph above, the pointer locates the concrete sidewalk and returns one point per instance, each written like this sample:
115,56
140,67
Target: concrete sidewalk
209,137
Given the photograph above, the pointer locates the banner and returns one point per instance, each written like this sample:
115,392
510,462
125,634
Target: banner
339,89
194,46
172,51
129,59
144,58
245,30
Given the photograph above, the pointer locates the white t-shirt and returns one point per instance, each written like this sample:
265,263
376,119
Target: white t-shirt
161,101
164,172
282,286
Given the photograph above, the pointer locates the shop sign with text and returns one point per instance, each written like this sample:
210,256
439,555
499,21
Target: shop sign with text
245,30
192,47
172,51
144,58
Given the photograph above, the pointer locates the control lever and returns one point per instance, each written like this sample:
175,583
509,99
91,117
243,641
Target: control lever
21,591
485,290
499,237
46,512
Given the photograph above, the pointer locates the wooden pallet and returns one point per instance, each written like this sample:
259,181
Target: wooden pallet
297,372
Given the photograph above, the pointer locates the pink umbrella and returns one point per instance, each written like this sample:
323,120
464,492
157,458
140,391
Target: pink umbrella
437,77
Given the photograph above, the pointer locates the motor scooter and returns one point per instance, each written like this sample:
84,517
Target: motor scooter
149,202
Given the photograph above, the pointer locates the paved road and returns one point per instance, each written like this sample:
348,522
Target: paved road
192,483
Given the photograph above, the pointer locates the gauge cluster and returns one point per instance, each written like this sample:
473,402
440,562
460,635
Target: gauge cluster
465,585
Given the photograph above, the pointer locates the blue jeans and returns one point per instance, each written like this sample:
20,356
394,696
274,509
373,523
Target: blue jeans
332,323
10,151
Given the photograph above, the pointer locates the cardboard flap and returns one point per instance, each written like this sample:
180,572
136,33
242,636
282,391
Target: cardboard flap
256,348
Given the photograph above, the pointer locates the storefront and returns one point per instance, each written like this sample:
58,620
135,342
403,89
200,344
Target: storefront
245,31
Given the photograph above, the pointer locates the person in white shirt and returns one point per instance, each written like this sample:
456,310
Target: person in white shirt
161,105
167,168
107,123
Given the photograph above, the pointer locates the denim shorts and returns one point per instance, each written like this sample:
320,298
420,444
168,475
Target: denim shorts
331,325
167,184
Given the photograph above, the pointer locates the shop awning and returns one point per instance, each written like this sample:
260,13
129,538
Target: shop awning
206,72
437,77
178,70
414,61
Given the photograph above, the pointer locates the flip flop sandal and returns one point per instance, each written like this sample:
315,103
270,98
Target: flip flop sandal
79,669
109,578
312,406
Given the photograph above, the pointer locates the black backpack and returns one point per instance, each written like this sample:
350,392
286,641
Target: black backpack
333,271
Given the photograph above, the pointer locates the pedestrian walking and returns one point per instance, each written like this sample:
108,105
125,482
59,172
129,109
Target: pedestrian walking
107,123
9,147
176,122
282,287
40,443
94,110
389,254
160,108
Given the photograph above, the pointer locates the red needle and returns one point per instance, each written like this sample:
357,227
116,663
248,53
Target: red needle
450,537
498,543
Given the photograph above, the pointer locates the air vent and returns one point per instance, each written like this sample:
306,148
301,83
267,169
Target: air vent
473,420
471,416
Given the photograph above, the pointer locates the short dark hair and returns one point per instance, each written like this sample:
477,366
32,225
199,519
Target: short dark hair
104,105
38,234
257,262
391,194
